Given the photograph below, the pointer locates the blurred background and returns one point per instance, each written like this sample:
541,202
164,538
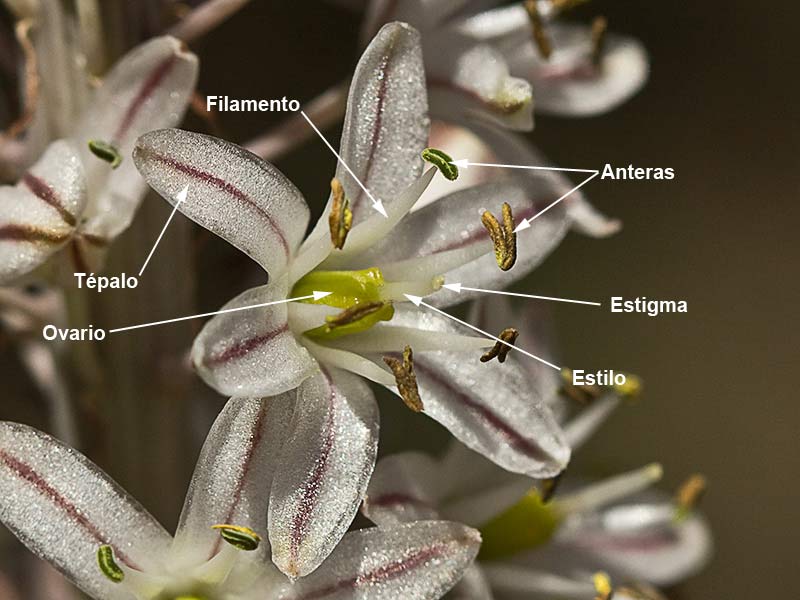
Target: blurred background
720,398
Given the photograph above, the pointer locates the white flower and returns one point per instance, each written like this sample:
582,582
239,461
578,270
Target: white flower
534,548
70,197
71,514
484,62
299,351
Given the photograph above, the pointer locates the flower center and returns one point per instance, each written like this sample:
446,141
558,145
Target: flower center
360,293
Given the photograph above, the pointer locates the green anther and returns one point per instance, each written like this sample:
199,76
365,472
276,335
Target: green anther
441,161
242,538
347,287
355,319
107,564
105,151
526,525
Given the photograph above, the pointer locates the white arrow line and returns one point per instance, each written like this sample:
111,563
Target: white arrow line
457,287
527,222
418,302
180,197
314,295
465,163
376,204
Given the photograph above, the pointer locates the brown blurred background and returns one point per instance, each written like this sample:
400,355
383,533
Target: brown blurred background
720,108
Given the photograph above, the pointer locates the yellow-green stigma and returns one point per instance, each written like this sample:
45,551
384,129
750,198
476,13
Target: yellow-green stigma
107,152
442,161
528,524
108,565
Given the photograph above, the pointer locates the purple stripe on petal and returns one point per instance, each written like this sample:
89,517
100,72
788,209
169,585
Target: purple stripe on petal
382,574
145,92
515,438
243,347
42,190
224,186
27,473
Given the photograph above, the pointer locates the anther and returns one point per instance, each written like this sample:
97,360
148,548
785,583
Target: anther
602,586
403,371
689,494
242,538
640,591
105,151
564,5
341,218
442,161
540,36
549,487
353,314
500,350
583,394
599,28
109,566
503,237
631,389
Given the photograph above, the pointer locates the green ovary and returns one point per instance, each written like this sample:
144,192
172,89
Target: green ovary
526,525
348,290
348,287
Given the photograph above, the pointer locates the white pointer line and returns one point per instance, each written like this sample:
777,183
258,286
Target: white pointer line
180,198
376,204
315,296
418,301
527,222
466,163
457,287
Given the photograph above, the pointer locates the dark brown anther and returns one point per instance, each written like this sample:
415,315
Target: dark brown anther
540,37
403,371
341,218
549,487
353,314
583,394
503,237
501,350
599,28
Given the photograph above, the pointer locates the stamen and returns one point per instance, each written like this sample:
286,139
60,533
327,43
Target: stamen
586,394
406,379
583,394
22,31
611,490
441,161
540,37
564,5
689,495
109,566
242,538
599,28
355,319
640,591
503,237
341,218
499,350
602,585
105,151
549,487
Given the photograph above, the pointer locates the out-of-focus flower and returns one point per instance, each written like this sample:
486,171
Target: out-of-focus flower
70,196
611,525
71,514
498,63
536,545
306,349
